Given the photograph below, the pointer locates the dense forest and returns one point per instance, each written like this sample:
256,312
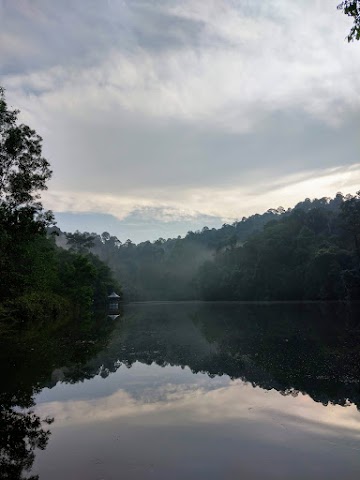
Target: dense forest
310,252
38,279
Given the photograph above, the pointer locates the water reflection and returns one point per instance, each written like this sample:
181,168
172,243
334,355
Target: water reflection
219,385
231,400
194,430
307,348
21,433
28,360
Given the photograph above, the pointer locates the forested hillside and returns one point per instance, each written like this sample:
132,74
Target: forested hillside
39,281
309,252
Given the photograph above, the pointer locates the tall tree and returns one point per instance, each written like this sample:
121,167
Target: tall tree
23,170
351,8
80,242
351,220
23,175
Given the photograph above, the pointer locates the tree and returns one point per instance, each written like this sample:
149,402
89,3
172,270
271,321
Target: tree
351,220
80,242
23,175
37,279
23,170
21,433
351,8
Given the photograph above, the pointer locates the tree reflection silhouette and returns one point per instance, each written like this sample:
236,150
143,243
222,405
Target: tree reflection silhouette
31,359
313,349
21,433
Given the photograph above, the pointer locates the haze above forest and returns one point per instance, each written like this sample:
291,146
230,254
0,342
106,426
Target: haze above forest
311,252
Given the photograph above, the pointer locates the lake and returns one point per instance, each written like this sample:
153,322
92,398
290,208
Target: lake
185,391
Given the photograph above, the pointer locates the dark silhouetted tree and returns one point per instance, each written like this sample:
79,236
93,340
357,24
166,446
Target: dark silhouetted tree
23,170
351,8
80,242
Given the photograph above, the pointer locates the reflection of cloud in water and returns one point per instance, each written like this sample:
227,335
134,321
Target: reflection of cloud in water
188,404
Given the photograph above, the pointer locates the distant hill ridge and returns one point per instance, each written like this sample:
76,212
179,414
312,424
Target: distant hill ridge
218,237
236,257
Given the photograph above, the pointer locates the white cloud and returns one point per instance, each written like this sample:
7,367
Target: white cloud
173,404
183,105
228,204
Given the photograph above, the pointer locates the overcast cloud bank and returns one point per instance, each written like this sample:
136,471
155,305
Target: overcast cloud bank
215,108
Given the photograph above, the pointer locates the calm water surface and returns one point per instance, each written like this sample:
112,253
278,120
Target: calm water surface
186,391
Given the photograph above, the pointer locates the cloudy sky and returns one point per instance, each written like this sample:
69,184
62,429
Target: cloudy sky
160,116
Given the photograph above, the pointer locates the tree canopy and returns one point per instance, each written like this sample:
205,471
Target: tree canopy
351,8
23,170
38,279
310,252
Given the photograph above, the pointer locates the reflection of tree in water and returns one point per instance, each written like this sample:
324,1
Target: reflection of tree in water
310,349
21,432
30,358
314,349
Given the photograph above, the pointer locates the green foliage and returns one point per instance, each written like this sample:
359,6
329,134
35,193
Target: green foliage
310,255
23,170
80,242
23,174
38,306
309,252
38,280
351,8
166,269
85,281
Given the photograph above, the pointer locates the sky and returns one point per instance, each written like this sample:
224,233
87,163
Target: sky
162,116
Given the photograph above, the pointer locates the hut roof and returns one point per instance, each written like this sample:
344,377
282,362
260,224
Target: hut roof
114,295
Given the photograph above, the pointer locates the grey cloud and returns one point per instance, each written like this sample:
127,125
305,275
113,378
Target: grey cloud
44,34
153,29
144,99
124,154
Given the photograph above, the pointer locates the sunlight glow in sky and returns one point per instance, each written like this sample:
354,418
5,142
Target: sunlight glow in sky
168,115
